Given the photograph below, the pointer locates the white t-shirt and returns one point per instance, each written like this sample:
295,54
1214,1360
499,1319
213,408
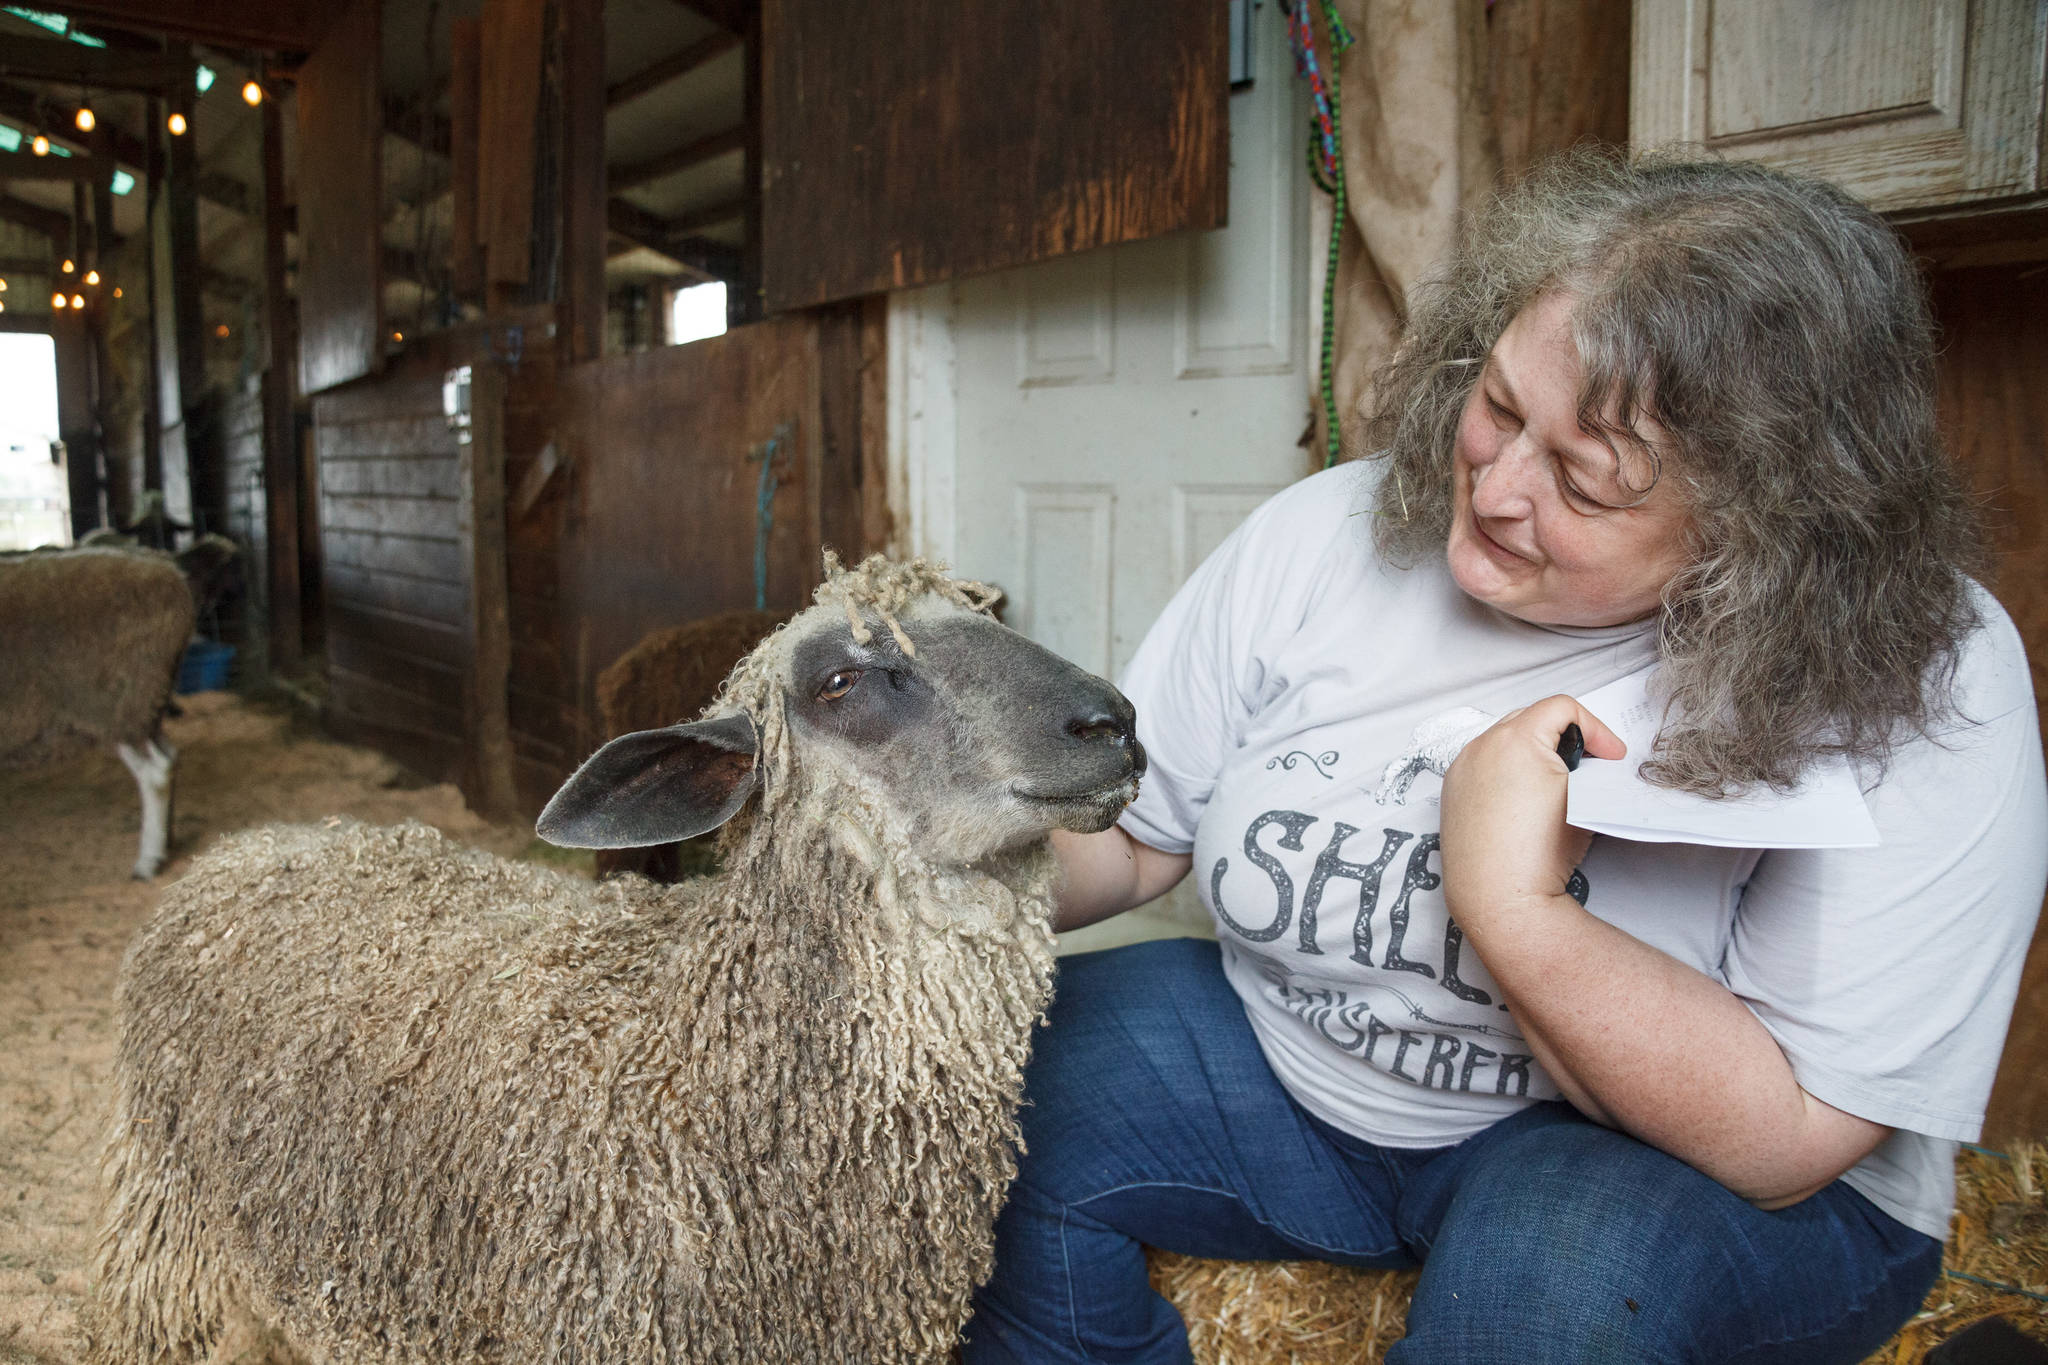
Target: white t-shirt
1300,699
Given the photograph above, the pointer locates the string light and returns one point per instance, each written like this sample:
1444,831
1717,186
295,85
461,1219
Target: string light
117,291
3,286
67,267
92,277
252,94
177,125
59,301
398,336
221,330
41,146
85,120
78,300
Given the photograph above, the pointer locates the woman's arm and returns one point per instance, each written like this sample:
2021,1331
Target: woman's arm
1105,874
1634,1038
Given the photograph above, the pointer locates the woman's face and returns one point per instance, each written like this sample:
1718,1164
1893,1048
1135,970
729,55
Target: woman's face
1548,527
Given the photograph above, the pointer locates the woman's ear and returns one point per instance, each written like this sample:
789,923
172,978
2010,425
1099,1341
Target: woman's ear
655,786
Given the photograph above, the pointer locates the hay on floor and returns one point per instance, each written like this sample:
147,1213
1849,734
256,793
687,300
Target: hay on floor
1307,1313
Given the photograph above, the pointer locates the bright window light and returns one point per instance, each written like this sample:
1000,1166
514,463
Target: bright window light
10,139
56,23
699,312
123,182
205,77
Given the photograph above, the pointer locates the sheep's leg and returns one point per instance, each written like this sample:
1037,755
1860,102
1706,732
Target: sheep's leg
151,765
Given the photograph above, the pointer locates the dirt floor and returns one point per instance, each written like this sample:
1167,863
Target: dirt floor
67,911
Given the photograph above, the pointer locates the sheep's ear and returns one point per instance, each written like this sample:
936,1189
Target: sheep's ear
655,787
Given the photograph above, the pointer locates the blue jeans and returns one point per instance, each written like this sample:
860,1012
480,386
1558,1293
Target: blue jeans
1153,1120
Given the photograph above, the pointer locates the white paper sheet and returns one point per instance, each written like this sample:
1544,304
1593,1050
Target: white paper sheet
1607,796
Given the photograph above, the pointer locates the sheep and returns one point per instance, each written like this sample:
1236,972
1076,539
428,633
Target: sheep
391,1100
94,637
670,675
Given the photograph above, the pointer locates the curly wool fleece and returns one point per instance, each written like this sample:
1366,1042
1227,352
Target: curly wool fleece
411,1102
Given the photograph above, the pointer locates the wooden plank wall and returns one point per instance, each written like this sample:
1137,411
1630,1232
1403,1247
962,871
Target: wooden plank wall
1994,408
341,122
908,144
396,586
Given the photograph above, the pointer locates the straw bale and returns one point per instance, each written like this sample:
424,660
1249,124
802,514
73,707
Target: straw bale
1308,1313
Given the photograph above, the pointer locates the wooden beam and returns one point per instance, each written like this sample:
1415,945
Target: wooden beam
29,166
514,37
671,68
731,15
51,223
635,174
75,64
636,226
274,26
579,36
723,212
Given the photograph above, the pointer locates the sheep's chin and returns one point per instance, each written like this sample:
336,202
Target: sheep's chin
1086,812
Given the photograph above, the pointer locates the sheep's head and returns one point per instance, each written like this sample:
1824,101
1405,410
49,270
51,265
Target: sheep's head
899,693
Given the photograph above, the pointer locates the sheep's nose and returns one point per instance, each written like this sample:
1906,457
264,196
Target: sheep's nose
1110,724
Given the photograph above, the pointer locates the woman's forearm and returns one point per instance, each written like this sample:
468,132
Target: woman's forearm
1110,872
1643,1043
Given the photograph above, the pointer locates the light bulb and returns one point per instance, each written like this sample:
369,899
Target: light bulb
221,330
398,336
117,291
177,125
3,286
85,120
78,300
252,93
67,267
41,146
59,301
92,277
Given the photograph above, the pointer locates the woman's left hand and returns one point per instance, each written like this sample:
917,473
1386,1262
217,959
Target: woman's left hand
1505,840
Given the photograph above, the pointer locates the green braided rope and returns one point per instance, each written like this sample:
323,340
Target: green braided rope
1340,38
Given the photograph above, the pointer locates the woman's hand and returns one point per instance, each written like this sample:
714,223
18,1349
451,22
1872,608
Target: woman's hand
1505,840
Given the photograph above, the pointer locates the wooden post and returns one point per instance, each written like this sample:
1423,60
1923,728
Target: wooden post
203,469
487,721
744,302
114,493
280,446
152,386
465,96
580,30
510,66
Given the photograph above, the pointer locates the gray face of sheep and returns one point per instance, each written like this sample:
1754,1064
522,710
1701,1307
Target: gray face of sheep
977,741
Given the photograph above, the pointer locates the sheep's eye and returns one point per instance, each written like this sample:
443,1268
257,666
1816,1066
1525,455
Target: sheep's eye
839,684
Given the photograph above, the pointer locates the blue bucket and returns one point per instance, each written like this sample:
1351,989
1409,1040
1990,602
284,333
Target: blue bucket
205,666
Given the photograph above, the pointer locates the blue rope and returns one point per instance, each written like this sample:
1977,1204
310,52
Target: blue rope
764,508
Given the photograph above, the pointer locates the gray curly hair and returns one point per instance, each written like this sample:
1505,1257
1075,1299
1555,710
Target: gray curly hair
1777,331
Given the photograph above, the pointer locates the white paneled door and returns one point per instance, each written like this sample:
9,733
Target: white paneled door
1083,431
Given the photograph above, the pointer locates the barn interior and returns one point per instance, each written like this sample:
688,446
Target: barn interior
502,334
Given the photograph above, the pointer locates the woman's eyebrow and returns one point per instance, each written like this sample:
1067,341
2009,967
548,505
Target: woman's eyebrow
1581,458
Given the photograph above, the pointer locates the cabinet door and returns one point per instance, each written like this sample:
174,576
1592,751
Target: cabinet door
1908,104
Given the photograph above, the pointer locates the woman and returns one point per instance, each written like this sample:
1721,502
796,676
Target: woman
1621,1101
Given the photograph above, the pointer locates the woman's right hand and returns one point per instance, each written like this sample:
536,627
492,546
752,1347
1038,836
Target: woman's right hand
1108,873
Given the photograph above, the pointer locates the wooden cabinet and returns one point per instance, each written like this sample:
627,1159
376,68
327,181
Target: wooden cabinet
1911,105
